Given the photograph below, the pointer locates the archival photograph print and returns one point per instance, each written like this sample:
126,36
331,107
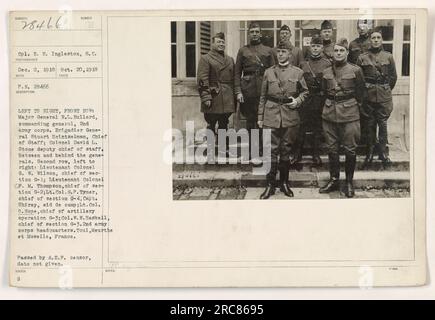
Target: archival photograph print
291,109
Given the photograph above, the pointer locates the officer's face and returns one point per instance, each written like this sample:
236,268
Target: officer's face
316,49
255,34
219,44
340,53
284,35
326,34
363,28
376,39
283,55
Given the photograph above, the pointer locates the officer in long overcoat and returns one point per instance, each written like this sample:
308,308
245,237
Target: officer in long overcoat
216,85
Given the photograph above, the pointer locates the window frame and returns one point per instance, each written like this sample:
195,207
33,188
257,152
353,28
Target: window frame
181,45
275,30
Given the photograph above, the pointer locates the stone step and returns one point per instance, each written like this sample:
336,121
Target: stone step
299,179
398,164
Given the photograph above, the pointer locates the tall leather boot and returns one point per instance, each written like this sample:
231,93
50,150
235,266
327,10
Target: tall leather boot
384,157
369,157
284,168
334,171
271,182
297,155
317,161
349,169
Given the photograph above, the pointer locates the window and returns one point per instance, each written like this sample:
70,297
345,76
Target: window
189,40
406,49
387,29
205,36
190,49
269,31
305,29
174,49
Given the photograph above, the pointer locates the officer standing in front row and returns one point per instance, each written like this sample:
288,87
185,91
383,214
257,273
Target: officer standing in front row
311,112
380,75
251,62
344,87
216,85
282,92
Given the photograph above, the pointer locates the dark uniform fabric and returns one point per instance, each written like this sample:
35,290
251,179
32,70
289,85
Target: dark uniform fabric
328,49
252,60
279,84
311,111
380,75
358,46
296,55
344,87
216,84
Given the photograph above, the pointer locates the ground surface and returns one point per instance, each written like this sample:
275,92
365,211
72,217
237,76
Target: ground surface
238,193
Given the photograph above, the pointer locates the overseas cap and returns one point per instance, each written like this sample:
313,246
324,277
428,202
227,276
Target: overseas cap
284,27
316,39
220,35
377,30
283,45
326,24
342,42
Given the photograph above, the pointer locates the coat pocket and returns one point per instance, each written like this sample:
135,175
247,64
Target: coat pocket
330,81
350,103
348,81
291,86
248,86
273,87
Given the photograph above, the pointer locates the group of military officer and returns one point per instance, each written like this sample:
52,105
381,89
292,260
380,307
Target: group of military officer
335,90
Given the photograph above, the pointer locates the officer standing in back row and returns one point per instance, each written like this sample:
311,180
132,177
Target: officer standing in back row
326,33
380,76
362,43
296,55
357,47
344,87
252,60
311,112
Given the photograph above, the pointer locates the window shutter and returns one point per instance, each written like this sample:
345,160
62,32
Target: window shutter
205,36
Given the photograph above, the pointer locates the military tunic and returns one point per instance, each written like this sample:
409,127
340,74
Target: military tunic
252,60
344,88
279,84
311,112
380,75
328,49
358,46
216,84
